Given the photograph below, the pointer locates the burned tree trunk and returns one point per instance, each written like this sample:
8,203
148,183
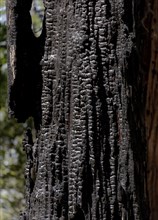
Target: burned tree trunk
84,82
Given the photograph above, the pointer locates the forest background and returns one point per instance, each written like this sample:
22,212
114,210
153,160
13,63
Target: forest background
12,157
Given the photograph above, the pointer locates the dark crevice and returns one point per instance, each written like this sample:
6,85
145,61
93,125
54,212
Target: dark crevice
127,16
79,214
25,92
87,186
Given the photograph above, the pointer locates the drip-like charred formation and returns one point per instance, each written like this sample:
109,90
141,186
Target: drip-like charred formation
81,81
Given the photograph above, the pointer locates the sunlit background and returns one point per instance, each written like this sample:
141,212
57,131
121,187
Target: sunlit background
12,157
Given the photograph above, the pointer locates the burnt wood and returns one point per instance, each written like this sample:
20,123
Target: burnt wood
84,82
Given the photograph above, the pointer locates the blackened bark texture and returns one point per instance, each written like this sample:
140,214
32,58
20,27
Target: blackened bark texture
83,80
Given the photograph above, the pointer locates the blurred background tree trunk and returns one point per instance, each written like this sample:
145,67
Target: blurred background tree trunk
90,83
152,116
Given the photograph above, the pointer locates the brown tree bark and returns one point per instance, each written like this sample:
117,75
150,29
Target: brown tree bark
84,81
152,116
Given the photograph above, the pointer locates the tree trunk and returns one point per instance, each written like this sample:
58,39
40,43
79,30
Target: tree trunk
152,117
84,82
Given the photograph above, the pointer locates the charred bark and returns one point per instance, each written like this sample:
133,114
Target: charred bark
84,82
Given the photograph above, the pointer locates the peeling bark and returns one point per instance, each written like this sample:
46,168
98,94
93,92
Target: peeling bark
83,81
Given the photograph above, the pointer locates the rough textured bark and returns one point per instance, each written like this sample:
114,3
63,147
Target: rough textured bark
84,82
152,116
